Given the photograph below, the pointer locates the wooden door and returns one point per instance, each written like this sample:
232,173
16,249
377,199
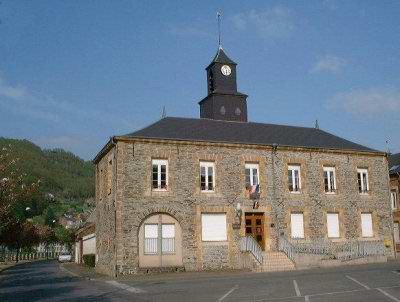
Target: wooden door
255,227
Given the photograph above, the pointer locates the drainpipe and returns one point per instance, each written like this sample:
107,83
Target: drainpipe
277,226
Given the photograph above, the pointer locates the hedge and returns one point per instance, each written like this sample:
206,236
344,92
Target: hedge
89,260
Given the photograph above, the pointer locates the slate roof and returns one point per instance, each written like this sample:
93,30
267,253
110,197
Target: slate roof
208,130
394,163
222,58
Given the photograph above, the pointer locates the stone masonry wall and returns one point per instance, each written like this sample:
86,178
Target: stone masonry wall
135,200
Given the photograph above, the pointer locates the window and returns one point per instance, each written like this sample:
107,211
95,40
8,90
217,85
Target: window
297,225
329,179
366,225
150,239
332,221
363,186
294,179
213,227
252,175
207,179
393,199
168,238
160,174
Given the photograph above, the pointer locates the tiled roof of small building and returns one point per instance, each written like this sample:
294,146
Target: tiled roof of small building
207,130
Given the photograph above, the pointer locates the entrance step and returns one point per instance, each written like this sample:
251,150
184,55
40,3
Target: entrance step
158,270
276,261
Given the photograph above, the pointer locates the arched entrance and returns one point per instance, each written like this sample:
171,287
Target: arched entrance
160,241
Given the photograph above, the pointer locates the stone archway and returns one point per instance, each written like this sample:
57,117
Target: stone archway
160,241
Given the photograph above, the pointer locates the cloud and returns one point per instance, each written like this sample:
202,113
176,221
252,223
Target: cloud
367,102
274,22
12,92
329,63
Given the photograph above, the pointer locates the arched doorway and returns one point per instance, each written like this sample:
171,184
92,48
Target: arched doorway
160,241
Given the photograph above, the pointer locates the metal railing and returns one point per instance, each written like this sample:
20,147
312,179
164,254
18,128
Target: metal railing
342,250
168,245
150,246
249,244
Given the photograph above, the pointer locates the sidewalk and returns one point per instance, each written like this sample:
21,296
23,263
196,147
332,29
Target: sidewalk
81,271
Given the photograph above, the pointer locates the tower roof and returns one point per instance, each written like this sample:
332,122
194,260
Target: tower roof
222,58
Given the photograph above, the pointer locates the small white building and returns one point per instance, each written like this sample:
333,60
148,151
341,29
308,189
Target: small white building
85,242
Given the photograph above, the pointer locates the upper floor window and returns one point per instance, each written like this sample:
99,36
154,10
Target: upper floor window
363,186
160,174
330,179
207,178
393,199
294,178
252,175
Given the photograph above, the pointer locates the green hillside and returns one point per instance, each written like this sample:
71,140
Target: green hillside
61,173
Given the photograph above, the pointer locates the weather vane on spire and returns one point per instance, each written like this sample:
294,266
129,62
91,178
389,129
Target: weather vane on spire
219,29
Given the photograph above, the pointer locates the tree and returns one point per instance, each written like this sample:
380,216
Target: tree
46,235
18,235
64,236
15,194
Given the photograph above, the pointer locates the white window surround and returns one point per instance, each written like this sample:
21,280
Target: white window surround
393,199
332,223
159,163
366,225
254,174
294,179
362,179
297,225
206,166
329,180
213,227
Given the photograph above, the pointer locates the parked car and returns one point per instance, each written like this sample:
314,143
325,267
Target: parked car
64,257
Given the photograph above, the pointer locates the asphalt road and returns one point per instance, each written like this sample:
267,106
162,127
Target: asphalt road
47,281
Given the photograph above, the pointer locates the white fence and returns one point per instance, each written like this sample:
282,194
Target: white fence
12,256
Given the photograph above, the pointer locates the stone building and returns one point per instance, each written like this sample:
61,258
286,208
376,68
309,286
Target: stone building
220,192
394,173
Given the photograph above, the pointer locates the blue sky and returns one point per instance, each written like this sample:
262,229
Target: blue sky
74,73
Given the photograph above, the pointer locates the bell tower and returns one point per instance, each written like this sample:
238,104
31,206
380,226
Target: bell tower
223,101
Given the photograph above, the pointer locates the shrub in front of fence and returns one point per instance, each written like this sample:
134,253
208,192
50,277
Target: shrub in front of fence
89,260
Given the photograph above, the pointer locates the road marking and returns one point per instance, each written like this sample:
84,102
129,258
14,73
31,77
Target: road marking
126,287
228,293
68,271
358,282
388,295
306,299
296,288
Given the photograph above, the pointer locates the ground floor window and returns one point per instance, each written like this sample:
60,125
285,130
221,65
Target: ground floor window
332,222
297,225
366,225
213,227
152,238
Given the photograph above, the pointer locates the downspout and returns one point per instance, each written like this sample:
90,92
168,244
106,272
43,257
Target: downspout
114,145
274,149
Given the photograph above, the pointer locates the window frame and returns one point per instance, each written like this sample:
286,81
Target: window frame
206,165
145,252
360,181
251,167
338,225
291,170
206,237
291,225
159,163
329,169
393,199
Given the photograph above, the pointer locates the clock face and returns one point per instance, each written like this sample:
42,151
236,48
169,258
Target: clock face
226,70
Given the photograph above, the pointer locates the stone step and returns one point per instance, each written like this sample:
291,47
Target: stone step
275,261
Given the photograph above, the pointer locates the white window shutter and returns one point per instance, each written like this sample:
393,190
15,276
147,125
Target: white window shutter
333,225
297,225
366,225
213,227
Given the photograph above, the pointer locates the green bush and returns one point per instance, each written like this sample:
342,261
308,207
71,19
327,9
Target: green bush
89,260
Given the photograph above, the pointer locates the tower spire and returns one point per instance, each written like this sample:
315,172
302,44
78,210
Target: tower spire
219,29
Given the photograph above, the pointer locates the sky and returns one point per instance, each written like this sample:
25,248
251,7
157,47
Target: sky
74,73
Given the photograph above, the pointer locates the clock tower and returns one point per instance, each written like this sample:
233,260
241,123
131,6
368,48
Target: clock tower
223,101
